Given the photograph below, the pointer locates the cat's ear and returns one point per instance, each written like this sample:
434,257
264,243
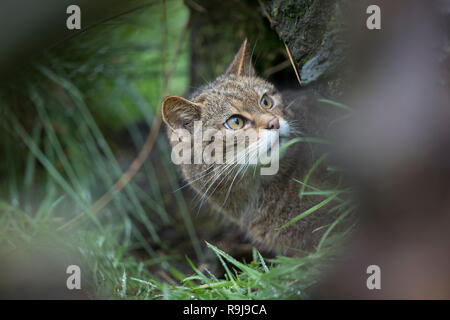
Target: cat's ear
242,62
178,112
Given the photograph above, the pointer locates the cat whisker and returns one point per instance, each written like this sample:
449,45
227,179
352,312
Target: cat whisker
197,178
214,179
218,172
231,185
290,104
226,165
207,170
229,167
252,150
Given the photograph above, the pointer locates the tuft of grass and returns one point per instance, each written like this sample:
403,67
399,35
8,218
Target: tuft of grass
280,278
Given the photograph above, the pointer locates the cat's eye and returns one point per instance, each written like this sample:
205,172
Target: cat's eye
235,123
266,102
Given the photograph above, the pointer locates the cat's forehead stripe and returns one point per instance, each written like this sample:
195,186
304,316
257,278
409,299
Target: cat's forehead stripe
238,90
232,94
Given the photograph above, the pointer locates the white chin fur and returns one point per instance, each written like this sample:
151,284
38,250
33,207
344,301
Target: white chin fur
271,138
285,131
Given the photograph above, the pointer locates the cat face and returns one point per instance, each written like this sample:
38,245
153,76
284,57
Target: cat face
240,104
237,103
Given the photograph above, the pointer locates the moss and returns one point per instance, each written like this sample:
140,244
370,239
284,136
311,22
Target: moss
306,58
274,12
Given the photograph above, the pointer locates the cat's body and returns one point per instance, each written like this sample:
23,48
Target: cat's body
259,204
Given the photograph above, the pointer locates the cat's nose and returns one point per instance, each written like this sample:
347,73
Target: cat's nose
273,124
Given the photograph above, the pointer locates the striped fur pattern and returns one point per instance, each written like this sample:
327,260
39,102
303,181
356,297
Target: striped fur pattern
258,204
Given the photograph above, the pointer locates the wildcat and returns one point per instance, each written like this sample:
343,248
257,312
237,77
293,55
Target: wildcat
238,101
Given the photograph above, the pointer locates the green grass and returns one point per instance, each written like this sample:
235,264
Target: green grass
58,133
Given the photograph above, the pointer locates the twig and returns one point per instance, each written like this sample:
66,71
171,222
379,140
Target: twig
149,143
293,64
285,45
265,11
281,66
